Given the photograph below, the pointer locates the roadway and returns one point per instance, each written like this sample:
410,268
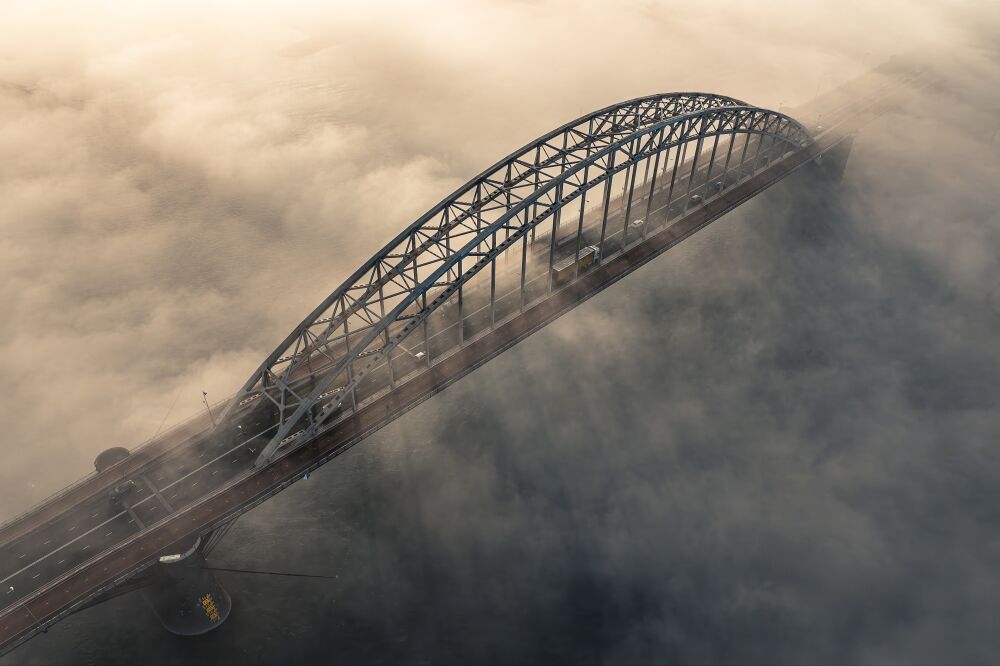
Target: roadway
65,558
184,474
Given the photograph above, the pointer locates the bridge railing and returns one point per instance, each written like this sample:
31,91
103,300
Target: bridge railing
217,407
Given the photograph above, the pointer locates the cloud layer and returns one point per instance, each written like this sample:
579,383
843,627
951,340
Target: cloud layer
774,443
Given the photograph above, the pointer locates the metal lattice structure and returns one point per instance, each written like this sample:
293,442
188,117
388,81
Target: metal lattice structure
493,227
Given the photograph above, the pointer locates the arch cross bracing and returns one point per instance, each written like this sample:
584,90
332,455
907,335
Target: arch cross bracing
493,226
518,171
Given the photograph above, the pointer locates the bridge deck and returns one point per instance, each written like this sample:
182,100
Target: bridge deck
79,546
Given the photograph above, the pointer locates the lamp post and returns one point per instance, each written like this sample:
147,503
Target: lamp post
204,398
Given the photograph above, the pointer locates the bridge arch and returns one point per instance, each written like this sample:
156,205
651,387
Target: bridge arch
320,365
616,119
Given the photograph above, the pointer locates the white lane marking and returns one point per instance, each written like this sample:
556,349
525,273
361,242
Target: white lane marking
155,506
72,528
21,556
47,542
109,533
61,561
94,515
216,459
36,575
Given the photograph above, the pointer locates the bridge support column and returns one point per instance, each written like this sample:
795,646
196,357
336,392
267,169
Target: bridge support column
109,457
833,162
186,597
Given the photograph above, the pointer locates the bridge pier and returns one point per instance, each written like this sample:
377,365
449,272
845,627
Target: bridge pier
186,597
109,457
833,162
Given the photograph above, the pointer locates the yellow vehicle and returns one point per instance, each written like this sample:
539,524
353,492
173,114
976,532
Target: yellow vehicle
563,271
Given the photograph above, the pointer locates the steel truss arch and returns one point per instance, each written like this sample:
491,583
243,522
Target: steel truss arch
518,170
434,272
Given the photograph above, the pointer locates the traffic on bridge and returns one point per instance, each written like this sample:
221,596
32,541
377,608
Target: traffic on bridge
526,240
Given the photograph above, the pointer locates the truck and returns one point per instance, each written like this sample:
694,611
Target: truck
563,271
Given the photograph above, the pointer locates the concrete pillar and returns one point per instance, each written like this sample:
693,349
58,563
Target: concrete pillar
186,597
109,457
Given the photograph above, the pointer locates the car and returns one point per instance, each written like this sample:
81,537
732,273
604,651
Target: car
295,435
695,199
122,489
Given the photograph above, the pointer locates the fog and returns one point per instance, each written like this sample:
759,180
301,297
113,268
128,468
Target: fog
776,443
181,185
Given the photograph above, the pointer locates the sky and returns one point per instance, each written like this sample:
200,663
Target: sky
775,443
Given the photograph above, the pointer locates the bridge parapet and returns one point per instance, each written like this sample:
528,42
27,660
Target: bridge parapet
526,254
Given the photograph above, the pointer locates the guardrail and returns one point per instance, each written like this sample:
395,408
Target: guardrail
872,98
261,495
62,492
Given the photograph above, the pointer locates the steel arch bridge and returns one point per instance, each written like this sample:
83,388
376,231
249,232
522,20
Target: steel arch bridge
503,241
525,241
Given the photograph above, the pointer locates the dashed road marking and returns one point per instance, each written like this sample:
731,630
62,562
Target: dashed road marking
154,507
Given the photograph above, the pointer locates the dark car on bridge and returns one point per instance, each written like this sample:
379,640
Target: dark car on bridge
122,489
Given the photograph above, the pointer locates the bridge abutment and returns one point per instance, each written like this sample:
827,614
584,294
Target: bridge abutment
186,597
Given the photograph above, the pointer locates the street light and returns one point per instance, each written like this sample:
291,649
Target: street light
204,398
